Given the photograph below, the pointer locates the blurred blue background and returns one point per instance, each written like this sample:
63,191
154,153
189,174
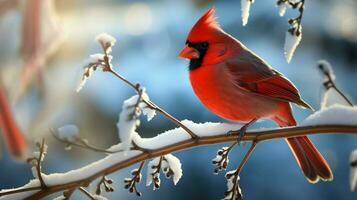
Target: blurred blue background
150,35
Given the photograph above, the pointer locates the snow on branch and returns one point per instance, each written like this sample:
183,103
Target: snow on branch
210,133
332,94
170,166
294,34
245,6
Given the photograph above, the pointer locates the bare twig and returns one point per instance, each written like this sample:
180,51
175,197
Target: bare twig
246,157
89,195
295,24
67,194
330,83
38,166
257,136
221,161
107,67
83,143
106,183
36,162
153,106
130,183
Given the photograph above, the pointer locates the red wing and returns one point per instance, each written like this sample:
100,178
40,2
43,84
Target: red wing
249,68
253,74
279,87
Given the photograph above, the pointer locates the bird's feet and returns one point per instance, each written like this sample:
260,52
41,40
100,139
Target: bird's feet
241,132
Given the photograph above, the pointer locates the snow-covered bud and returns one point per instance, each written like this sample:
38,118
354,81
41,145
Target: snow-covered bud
68,133
106,41
220,162
233,189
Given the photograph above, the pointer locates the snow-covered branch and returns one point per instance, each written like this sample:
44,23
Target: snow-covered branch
294,33
173,141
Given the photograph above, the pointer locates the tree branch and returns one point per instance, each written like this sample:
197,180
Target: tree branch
152,105
257,136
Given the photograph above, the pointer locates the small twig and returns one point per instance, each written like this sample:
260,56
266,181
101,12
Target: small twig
82,143
246,157
221,161
107,183
330,83
130,184
89,195
295,23
38,164
153,106
67,194
136,111
353,163
234,192
155,175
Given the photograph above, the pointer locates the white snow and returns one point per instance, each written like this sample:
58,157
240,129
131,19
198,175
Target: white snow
96,58
218,158
22,195
127,124
174,164
86,75
282,8
332,97
106,40
151,171
245,6
168,162
291,42
326,67
164,139
335,114
353,170
178,134
34,172
94,61
230,185
148,112
73,175
68,133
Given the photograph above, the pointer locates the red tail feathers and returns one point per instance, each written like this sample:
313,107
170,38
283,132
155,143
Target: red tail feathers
310,160
12,134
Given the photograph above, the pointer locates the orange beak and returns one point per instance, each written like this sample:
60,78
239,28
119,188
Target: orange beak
189,53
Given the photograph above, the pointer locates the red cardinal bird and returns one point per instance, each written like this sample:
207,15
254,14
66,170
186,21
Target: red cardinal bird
237,85
15,140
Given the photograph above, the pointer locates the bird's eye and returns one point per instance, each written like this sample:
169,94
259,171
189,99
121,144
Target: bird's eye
204,44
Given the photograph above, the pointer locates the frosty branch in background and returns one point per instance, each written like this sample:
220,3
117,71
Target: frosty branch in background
76,141
104,61
294,33
329,82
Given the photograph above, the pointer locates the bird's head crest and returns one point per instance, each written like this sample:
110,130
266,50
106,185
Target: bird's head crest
205,27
